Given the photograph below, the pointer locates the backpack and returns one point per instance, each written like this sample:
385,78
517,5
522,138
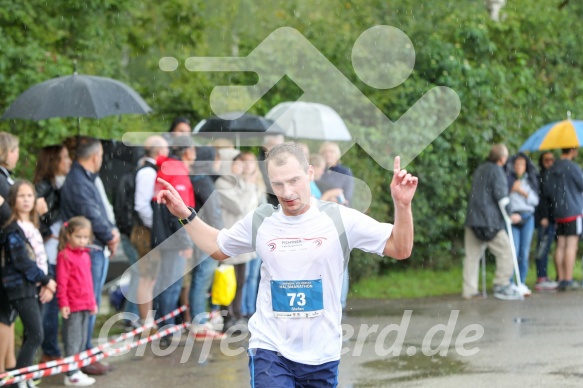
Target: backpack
123,201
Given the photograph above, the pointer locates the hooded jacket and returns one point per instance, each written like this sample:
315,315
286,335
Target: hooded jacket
565,190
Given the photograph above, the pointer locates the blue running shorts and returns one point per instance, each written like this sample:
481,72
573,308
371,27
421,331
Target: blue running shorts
270,370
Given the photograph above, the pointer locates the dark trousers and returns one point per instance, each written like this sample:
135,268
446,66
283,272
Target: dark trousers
50,343
30,312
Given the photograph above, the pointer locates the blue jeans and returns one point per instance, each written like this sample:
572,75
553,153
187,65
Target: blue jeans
522,236
132,256
99,267
249,303
202,278
50,343
546,236
168,284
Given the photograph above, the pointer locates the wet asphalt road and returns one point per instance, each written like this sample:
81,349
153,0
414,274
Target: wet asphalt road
444,342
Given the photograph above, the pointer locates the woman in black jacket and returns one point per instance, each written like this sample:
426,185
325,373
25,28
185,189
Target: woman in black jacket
52,167
8,158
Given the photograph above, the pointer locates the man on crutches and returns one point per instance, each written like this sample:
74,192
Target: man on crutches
485,227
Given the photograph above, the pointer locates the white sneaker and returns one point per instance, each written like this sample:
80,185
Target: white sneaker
215,320
508,292
524,290
546,285
79,379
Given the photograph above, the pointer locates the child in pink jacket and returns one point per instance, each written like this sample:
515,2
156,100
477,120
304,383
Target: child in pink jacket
75,291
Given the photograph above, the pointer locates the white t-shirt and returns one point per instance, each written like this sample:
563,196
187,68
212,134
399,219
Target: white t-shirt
304,249
35,239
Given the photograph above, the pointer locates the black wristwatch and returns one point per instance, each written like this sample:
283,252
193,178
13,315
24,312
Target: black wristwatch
188,219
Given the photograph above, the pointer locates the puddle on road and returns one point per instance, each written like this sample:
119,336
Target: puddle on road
408,368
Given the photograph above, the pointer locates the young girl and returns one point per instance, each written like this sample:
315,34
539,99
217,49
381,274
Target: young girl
24,269
75,294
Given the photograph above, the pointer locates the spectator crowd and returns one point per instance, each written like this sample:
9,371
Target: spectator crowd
510,198
59,231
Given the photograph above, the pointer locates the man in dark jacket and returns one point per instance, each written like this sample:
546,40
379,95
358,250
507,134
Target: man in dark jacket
485,227
565,190
80,197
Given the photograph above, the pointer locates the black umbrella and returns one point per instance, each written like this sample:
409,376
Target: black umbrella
77,96
239,124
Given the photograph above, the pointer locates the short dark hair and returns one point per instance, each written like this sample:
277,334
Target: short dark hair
565,151
87,147
279,155
177,121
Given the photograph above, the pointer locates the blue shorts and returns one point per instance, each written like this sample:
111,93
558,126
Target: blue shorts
270,370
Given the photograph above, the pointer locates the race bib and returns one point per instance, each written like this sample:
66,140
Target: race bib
297,298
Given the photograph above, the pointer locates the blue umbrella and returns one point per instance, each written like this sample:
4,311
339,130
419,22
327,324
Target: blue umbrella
561,134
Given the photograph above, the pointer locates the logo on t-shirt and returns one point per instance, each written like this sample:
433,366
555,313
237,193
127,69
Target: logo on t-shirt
296,244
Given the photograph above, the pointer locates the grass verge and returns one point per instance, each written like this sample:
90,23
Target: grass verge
422,282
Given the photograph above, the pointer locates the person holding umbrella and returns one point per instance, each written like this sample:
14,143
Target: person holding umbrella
52,168
80,197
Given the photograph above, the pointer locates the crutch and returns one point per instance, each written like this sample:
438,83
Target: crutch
483,260
502,204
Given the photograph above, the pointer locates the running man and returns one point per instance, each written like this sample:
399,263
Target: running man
305,244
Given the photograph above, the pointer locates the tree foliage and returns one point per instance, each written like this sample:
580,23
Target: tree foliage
512,77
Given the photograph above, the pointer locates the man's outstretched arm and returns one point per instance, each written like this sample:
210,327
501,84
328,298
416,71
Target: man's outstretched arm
203,235
403,187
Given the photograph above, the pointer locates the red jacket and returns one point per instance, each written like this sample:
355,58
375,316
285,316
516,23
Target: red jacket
74,280
176,173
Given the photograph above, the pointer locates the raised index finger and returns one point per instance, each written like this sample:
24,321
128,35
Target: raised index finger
167,186
397,164
164,183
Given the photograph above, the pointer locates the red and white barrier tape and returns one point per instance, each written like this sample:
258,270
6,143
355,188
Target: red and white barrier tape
90,360
80,358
